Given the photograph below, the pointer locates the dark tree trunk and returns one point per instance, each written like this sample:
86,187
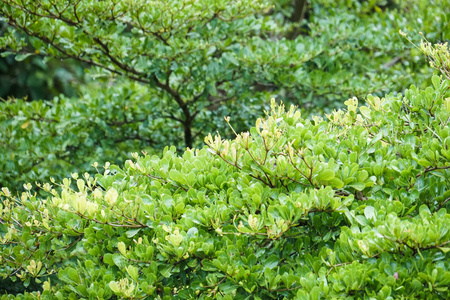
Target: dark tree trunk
187,126
297,17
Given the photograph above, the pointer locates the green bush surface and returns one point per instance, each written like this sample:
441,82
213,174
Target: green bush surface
354,206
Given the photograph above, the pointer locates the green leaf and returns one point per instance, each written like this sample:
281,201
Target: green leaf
122,248
133,232
176,176
107,258
114,287
73,275
326,175
424,162
359,186
228,287
436,81
166,270
119,261
133,272
21,57
444,249
365,111
81,290
271,262
336,183
362,220
370,213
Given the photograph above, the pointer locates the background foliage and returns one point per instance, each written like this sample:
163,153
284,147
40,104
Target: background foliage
46,139
224,61
35,78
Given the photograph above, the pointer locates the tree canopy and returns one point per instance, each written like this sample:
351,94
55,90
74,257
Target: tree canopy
199,56
167,73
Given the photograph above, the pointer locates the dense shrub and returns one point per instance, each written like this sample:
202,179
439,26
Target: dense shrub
353,206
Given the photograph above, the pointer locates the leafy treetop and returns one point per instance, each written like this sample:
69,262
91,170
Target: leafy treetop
161,43
202,59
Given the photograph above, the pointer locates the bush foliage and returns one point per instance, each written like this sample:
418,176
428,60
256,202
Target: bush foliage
161,78
351,206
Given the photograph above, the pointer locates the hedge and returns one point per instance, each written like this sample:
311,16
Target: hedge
355,206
